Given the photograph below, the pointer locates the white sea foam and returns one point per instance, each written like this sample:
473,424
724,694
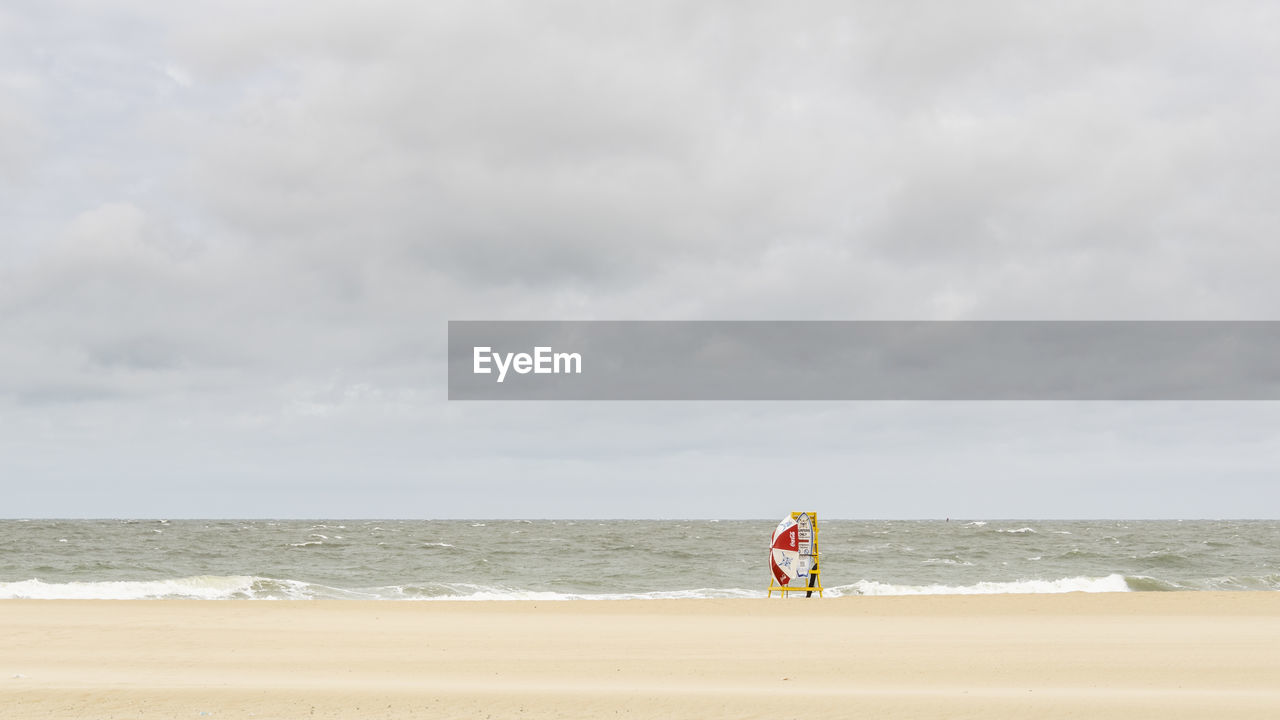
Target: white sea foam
203,587
479,592
209,587
248,587
1110,583
1018,531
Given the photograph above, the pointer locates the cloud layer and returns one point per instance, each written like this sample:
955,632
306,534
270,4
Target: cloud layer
232,236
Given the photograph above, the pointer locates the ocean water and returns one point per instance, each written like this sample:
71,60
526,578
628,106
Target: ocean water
607,559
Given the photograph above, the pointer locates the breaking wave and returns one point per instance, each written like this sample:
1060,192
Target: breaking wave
245,587
1110,583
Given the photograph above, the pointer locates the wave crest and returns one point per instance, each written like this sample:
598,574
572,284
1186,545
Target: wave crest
1110,583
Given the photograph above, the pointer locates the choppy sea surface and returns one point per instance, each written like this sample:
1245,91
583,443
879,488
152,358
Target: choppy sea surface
615,559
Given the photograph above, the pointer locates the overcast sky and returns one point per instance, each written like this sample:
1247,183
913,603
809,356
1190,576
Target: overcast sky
231,236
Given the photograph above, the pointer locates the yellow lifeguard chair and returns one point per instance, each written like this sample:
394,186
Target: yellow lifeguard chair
807,536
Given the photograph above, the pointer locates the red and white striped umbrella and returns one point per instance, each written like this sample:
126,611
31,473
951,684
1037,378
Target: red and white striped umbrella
784,552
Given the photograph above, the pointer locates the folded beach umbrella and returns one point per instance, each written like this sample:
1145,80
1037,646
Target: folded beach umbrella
784,552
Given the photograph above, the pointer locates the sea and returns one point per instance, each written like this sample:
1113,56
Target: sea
429,560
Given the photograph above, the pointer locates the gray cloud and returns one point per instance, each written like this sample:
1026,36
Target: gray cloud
232,236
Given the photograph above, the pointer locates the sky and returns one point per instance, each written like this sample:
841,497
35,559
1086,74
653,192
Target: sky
232,236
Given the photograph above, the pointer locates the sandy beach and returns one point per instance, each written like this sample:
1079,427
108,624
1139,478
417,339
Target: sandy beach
1157,655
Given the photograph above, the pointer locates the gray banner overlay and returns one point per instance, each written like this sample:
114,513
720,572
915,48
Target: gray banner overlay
855,360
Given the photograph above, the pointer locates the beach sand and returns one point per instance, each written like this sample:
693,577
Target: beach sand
1123,655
